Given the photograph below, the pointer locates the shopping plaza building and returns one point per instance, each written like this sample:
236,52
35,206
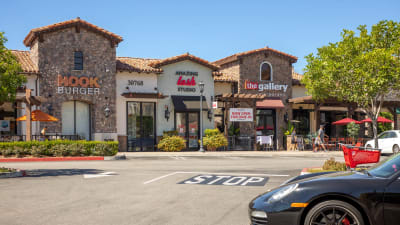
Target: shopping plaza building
95,94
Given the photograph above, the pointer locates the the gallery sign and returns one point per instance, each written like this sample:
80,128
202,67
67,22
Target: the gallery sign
241,115
78,85
253,85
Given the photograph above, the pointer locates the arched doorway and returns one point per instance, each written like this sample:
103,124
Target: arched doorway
76,119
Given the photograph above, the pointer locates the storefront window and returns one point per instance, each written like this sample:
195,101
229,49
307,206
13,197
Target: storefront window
76,119
266,71
302,124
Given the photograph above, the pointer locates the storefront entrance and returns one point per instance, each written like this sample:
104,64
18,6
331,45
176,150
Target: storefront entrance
266,123
187,125
141,126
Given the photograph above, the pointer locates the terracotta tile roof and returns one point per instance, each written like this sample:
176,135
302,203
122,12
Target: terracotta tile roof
25,60
223,77
34,33
296,78
139,65
236,56
182,57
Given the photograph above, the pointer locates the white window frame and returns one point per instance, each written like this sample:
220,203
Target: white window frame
272,71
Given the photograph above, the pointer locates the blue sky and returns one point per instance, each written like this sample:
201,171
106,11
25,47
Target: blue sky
207,29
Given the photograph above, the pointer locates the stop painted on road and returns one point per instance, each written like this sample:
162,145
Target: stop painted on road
226,180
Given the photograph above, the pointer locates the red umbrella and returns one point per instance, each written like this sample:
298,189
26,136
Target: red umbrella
345,121
379,120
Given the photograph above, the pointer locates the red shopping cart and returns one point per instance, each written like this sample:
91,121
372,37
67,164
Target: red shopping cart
355,155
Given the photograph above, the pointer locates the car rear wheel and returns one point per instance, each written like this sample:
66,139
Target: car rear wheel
369,146
334,213
396,149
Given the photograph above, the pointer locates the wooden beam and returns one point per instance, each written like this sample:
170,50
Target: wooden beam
28,115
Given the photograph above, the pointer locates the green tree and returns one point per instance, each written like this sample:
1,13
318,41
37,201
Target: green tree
10,73
385,126
362,68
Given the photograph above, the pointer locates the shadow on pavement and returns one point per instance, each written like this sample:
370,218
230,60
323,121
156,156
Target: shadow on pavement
60,172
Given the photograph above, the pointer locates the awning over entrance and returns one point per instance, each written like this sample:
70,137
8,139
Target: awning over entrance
183,103
270,104
143,95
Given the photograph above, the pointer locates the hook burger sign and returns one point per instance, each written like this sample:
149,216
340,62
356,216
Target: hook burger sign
78,85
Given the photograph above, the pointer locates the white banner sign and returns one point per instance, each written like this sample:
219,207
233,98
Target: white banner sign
241,114
4,125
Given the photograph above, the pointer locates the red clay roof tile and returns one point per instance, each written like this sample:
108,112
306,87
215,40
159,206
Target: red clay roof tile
236,56
34,33
183,57
139,65
25,60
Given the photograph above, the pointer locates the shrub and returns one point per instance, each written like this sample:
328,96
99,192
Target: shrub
215,141
331,164
170,133
211,132
172,144
59,148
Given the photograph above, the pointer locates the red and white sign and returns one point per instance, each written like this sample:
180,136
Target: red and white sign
241,114
215,105
250,85
253,85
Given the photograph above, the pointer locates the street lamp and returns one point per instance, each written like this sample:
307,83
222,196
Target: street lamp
201,86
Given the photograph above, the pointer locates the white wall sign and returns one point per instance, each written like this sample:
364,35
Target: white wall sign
241,114
4,125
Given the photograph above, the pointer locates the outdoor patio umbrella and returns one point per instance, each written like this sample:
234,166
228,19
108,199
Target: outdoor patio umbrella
38,115
379,120
345,121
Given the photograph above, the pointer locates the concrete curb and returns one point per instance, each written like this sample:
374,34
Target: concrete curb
51,159
58,159
18,173
133,155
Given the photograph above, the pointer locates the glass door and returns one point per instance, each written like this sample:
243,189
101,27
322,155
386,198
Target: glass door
187,125
141,126
265,120
193,121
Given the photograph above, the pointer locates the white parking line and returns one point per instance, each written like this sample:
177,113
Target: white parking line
178,157
105,174
244,174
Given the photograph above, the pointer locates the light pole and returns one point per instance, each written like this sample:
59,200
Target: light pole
201,86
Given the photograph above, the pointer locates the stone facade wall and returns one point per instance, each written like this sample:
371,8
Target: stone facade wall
231,69
56,57
34,52
282,75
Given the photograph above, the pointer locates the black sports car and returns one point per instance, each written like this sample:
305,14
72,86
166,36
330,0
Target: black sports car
369,197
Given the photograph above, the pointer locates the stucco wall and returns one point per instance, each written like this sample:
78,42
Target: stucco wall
167,85
122,78
298,91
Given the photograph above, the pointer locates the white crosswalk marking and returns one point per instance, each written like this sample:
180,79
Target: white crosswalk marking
105,174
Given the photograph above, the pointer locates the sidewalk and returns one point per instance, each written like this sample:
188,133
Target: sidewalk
306,154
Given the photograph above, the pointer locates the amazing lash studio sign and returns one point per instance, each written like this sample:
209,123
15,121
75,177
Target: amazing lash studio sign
78,85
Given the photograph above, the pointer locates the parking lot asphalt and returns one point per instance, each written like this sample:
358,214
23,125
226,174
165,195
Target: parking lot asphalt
169,190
